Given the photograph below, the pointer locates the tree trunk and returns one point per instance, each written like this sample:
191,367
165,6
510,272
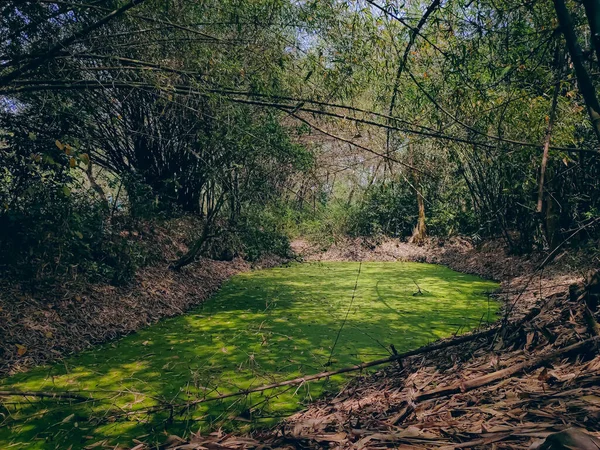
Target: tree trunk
584,81
592,11
551,222
420,231
195,250
207,234
548,136
545,231
95,186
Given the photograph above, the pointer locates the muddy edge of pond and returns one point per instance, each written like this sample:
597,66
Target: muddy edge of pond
38,328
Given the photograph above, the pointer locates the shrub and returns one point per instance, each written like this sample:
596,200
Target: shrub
386,209
52,234
253,235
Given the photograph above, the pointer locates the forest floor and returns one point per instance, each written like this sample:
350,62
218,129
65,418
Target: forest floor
530,381
42,325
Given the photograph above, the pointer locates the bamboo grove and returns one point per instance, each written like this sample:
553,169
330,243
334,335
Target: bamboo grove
269,118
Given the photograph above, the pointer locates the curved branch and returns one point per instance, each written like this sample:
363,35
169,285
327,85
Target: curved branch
31,86
40,59
347,141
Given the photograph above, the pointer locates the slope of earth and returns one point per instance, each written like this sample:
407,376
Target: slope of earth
40,324
261,327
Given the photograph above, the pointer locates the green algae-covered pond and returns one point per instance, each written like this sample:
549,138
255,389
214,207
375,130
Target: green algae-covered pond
261,327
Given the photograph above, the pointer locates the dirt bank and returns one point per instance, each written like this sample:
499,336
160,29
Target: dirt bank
41,326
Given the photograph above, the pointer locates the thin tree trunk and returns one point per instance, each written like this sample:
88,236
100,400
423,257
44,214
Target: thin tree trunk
545,222
548,137
584,81
95,186
207,234
592,11
551,222
420,231
195,250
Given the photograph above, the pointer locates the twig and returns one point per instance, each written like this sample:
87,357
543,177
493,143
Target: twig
56,395
463,386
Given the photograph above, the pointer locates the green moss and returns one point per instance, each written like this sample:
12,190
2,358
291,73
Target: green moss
261,327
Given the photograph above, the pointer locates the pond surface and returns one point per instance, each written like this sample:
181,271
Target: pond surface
261,327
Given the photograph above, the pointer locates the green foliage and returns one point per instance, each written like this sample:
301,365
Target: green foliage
260,237
197,118
143,203
170,152
54,235
384,209
323,223
387,209
52,227
326,224
253,235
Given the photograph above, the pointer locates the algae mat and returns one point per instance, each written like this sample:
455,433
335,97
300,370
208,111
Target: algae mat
261,327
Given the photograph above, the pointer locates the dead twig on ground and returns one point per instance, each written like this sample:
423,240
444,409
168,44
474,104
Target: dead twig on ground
38,394
464,386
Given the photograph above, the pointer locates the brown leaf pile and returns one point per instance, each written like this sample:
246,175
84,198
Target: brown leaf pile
35,329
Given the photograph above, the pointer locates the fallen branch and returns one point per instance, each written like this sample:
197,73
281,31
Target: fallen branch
490,378
301,380
590,321
355,368
56,395
296,381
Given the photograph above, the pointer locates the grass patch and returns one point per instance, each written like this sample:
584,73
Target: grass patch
261,327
